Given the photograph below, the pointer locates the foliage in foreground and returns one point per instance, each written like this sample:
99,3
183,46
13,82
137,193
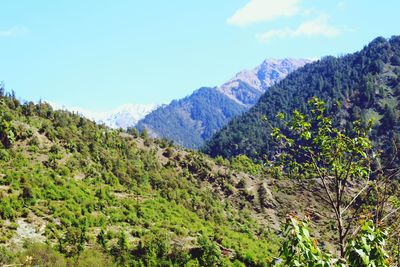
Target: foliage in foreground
366,249
328,161
337,166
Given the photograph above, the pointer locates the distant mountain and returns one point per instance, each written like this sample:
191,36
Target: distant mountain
127,115
122,117
194,119
366,83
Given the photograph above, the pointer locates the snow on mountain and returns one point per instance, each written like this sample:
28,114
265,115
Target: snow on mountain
121,117
127,115
248,85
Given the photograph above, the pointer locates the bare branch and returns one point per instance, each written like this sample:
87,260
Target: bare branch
390,214
354,199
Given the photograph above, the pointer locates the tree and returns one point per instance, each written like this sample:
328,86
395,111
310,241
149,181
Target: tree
120,251
7,135
395,60
299,249
333,164
210,254
389,119
144,135
133,131
74,241
366,249
102,239
2,89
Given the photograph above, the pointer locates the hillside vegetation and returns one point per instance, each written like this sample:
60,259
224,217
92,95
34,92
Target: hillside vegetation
94,196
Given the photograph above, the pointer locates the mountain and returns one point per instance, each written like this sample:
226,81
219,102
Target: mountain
127,115
247,86
192,120
183,120
360,86
122,117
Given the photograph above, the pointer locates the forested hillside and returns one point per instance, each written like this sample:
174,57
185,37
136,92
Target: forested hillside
360,86
75,192
192,120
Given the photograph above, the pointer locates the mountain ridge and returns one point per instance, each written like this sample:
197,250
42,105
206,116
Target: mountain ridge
207,112
270,71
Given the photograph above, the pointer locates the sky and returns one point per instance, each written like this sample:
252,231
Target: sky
98,54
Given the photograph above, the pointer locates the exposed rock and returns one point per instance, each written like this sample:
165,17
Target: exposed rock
28,231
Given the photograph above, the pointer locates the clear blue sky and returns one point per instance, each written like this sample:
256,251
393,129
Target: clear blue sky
101,54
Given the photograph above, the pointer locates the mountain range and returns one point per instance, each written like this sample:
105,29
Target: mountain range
360,86
77,193
192,120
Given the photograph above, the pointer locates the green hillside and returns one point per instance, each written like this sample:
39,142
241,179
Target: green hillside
73,192
360,86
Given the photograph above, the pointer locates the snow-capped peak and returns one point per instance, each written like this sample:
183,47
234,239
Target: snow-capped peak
124,116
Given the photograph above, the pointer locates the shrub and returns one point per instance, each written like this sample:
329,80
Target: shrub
93,257
41,255
210,254
6,257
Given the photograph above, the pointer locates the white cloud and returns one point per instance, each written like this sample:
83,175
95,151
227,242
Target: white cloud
264,10
13,31
315,27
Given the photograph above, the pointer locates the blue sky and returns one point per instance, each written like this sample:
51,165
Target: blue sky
101,54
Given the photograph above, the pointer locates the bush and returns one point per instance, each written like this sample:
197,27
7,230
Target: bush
366,249
395,60
6,257
41,255
210,254
244,164
93,257
4,155
169,152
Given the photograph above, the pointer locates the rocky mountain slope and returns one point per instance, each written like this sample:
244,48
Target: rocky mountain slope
247,86
192,120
